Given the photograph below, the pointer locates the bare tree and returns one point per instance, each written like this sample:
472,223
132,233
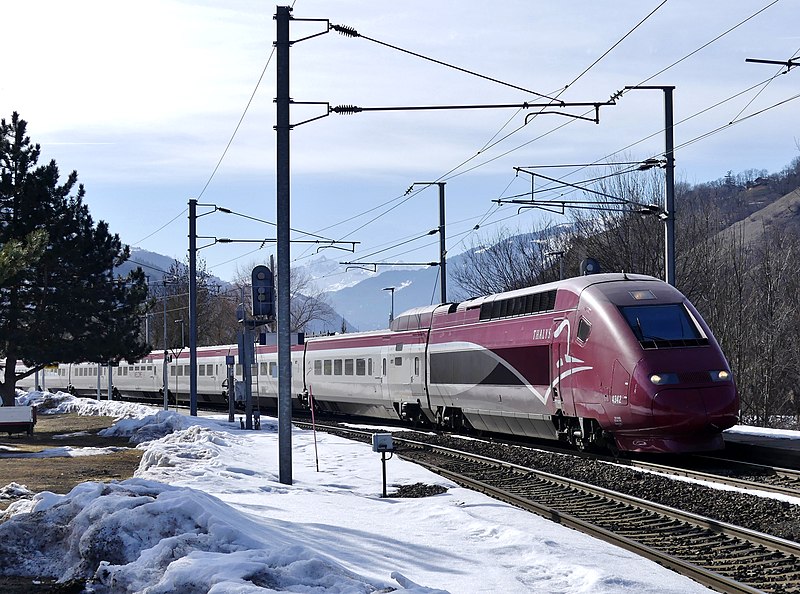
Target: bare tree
216,310
506,261
621,238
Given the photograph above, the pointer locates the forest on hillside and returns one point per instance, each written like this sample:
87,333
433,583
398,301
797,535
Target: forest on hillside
737,259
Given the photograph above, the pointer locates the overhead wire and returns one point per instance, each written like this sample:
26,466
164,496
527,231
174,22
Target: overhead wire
350,32
673,64
480,151
705,45
764,88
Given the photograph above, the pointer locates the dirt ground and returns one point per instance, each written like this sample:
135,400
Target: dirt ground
60,475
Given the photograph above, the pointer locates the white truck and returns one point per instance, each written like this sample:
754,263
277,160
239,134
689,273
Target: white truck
17,419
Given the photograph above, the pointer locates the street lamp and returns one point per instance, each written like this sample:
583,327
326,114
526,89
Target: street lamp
391,312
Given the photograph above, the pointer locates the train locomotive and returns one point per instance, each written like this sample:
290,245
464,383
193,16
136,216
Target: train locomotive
617,361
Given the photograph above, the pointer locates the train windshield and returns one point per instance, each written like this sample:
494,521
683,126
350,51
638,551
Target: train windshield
663,326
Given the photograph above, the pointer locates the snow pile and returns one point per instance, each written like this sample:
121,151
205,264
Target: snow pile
49,403
150,427
142,535
14,491
67,452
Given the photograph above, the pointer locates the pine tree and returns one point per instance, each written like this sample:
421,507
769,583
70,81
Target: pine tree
59,298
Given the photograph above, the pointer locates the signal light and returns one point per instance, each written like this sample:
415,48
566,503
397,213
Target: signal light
263,292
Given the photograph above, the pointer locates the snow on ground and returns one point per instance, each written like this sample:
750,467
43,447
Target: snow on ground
773,433
207,513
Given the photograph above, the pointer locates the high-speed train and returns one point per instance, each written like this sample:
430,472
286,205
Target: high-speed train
611,360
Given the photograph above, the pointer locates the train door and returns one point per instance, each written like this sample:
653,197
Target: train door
383,370
562,363
398,374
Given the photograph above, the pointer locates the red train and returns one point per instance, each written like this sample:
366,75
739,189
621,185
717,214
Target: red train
612,360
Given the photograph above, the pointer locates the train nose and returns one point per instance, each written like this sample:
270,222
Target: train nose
691,409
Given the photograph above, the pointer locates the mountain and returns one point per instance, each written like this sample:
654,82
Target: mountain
367,305
331,276
781,215
155,265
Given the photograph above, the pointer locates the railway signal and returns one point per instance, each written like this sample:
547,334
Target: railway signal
263,291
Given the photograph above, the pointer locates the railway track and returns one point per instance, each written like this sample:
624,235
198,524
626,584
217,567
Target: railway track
740,475
720,555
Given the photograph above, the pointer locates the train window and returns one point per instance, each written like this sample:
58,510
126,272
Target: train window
584,328
518,306
398,347
209,369
361,367
398,361
328,367
337,367
179,370
663,326
172,371
369,366
384,367
416,365
264,369
273,369
201,370
318,367
186,370
348,367
239,369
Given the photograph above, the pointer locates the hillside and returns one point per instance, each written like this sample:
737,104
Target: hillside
782,215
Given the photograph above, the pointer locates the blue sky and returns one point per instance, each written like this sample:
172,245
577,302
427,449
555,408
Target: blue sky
141,98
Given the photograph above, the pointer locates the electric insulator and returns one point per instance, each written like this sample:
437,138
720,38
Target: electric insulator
346,109
345,30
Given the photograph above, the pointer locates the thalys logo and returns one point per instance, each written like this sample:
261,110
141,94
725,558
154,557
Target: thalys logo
542,334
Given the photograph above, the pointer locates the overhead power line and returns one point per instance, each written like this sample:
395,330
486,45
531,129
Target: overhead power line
350,32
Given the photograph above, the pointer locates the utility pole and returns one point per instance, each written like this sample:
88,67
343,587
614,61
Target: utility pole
282,128
192,307
442,239
669,222
166,356
669,175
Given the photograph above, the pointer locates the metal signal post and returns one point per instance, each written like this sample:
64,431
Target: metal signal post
282,128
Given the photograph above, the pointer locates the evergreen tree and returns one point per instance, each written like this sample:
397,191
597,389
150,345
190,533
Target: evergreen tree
59,298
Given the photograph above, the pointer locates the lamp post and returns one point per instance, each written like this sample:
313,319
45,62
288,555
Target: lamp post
391,311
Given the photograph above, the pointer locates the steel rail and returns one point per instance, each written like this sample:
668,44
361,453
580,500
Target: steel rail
773,542
695,572
729,481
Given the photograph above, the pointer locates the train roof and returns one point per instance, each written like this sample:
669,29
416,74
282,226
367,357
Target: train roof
574,284
420,317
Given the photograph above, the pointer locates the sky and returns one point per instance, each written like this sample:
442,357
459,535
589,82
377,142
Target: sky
205,511
143,99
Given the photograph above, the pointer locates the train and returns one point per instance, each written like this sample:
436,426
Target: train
614,361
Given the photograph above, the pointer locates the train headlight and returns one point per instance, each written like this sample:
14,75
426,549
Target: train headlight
720,376
661,379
